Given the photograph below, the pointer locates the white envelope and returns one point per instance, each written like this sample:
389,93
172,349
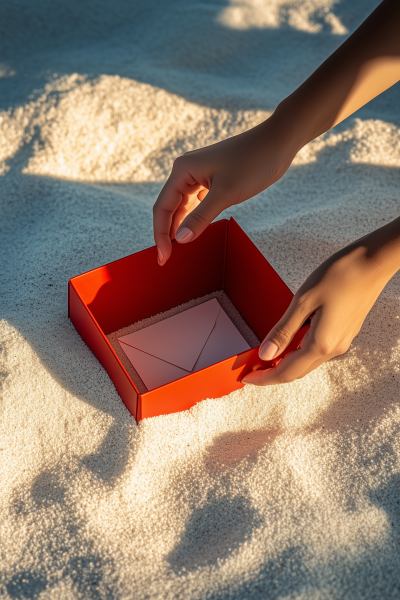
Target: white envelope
182,344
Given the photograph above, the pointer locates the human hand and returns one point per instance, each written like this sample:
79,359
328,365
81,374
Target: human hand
205,182
337,296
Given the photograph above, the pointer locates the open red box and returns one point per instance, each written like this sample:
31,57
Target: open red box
135,287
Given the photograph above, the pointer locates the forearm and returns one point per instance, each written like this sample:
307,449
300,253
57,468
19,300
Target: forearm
364,66
381,248
376,256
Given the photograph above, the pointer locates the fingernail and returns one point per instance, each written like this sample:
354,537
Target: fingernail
160,254
184,235
268,350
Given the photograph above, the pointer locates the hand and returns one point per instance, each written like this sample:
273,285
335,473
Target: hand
205,182
338,295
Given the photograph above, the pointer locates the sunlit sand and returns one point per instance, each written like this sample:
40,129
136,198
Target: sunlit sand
289,491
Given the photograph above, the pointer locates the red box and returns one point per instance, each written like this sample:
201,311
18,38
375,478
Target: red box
135,287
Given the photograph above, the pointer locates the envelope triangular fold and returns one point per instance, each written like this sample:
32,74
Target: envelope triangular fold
178,340
224,341
153,371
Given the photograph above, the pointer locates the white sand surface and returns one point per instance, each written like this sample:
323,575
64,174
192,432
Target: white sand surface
284,492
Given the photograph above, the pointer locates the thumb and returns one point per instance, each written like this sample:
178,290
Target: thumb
198,220
280,336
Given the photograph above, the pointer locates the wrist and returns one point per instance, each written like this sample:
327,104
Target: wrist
283,132
372,259
375,256
382,248
298,121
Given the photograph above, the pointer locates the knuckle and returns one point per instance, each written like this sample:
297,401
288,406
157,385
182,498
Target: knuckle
303,303
323,348
342,348
158,204
180,162
301,300
198,218
329,348
282,334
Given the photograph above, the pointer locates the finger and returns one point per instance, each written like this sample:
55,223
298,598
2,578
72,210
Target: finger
177,189
216,200
202,194
188,204
313,352
291,367
282,334
263,379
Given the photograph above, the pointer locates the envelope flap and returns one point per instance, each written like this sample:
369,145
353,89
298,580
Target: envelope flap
180,339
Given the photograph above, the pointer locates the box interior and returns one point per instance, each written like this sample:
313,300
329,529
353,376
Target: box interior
224,301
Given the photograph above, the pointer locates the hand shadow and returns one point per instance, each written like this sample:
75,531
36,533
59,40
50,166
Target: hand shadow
223,521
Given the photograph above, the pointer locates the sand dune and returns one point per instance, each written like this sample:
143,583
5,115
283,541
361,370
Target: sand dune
284,492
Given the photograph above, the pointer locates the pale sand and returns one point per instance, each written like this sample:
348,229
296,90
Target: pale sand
283,492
